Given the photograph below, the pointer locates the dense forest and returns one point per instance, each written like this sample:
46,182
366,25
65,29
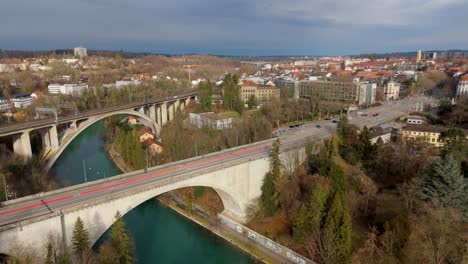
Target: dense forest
351,201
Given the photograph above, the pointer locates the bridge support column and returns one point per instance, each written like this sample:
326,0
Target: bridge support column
187,101
176,107
171,111
50,138
163,114
152,113
45,138
182,105
73,125
22,144
142,110
54,140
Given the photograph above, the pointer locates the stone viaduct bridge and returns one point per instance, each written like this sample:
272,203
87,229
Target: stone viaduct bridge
235,174
155,113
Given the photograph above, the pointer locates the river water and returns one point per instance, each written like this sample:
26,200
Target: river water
160,234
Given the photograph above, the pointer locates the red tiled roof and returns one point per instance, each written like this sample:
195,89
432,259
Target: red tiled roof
248,83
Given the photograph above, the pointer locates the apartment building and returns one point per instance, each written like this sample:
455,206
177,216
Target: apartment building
70,89
21,100
262,93
426,133
391,90
5,105
344,91
462,87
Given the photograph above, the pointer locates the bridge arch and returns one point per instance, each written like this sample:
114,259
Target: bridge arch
230,204
155,127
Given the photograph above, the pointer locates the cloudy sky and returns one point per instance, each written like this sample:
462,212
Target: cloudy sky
236,27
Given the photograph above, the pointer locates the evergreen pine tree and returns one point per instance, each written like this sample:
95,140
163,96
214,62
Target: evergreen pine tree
50,254
80,239
206,91
444,184
300,222
120,241
317,205
269,197
337,232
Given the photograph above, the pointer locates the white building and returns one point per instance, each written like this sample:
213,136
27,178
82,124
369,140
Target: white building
5,105
81,52
391,90
462,87
210,120
366,93
21,100
70,89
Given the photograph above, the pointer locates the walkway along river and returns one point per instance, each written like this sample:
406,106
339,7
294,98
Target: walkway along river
160,234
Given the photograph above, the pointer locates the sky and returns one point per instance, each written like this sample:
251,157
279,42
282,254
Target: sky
236,27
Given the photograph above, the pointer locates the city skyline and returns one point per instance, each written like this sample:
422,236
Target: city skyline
236,27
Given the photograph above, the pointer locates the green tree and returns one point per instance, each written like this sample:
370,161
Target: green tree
231,94
80,240
49,257
269,198
270,187
444,185
205,90
364,147
337,233
300,223
252,102
121,241
318,204
118,247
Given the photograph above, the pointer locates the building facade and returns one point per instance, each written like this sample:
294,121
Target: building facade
462,87
367,93
341,91
21,100
262,93
80,52
211,120
426,133
392,90
69,89
5,105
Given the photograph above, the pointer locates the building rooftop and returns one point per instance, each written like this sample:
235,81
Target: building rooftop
424,128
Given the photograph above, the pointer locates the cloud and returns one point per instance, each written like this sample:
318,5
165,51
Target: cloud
276,26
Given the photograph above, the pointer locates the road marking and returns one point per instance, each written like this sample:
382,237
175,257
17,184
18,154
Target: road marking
36,205
127,182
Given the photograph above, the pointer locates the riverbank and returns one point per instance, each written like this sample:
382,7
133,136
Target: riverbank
199,217
118,161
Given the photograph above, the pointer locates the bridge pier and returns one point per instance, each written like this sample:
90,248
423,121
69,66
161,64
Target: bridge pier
152,112
171,111
22,144
176,106
142,110
182,105
163,114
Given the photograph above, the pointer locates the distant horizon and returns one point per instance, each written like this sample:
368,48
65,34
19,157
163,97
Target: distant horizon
250,53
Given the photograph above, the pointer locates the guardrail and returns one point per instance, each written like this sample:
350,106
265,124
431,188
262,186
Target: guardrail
264,241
